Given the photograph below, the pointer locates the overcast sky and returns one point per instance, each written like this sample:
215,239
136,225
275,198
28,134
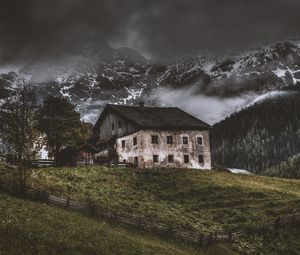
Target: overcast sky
158,28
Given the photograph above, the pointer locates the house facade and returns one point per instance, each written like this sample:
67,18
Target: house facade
151,137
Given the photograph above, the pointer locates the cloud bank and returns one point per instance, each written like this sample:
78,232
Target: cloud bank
209,109
34,29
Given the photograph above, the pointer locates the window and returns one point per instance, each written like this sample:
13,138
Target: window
171,158
200,140
169,139
134,141
136,161
123,143
112,126
186,159
185,140
124,160
120,124
154,139
155,158
201,159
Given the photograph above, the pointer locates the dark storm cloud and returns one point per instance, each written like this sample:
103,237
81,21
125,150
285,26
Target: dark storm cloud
177,27
161,28
38,28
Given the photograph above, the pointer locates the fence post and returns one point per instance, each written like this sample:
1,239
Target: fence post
210,237
91,207
45,197
200,239
293,218
276,223
170,230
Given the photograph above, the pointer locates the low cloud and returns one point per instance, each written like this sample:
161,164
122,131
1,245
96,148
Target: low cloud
90,111
208,108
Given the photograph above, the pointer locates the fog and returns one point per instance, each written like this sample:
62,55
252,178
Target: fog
209,109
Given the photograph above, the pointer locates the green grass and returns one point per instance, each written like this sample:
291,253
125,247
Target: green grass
34,228
204,201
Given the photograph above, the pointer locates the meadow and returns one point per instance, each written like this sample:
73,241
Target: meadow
204,201
35,228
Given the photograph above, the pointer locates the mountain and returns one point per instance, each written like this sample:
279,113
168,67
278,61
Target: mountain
98,73
260,135
259,70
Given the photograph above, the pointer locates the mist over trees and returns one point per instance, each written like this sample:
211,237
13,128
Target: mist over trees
259,136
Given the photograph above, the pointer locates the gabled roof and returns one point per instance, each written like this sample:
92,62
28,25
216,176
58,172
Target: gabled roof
165,118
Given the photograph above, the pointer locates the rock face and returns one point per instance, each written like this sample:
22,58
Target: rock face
99,73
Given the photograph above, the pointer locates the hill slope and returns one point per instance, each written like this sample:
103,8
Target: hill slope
261,135
33,228
203,201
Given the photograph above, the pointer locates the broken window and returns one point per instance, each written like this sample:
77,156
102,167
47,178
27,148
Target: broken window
112,126
123,143
154,139
200,140
201,159
185,140
171,158
120,124
169,139
134,141
136,161
186,159
155,158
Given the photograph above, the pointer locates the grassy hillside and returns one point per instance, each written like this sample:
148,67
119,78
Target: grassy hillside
33,228
201,200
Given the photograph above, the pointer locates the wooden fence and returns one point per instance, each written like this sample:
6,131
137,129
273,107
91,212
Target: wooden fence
178,232
36,163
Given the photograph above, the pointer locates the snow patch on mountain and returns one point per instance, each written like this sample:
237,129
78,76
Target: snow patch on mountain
270,95
124,76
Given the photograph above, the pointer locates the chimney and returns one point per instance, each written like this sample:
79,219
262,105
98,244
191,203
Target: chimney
141,104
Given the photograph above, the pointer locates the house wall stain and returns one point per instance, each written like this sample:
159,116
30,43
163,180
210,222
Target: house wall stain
145,149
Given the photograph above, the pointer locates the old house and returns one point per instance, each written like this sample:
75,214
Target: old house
152,137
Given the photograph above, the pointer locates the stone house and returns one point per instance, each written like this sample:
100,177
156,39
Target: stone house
152,137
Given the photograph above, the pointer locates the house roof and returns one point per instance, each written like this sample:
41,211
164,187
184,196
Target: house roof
166,118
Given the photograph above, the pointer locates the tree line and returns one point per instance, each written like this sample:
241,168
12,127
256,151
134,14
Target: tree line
259,136
27,125
286,169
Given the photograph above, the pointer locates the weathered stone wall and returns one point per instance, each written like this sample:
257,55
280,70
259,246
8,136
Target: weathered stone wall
130,151
145,149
